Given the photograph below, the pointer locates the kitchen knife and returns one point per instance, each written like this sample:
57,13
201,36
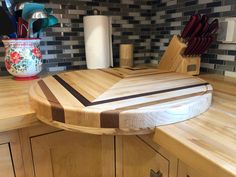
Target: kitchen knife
212,28
196,30
194,20
200,46
205,24
191,52
191,44
209,42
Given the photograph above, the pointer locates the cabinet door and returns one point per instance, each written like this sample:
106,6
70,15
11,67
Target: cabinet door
6,166
136,158
11,164
185,171
67,154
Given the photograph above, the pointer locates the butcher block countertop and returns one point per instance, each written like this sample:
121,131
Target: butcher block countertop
207,143
15,110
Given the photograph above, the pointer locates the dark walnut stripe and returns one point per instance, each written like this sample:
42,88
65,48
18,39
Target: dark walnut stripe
136,106
136,69
109,119
58,113
86,102
147,94
73,92
117,74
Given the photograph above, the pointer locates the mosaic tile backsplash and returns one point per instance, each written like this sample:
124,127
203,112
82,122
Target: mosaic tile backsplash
170,16
63,45
148,24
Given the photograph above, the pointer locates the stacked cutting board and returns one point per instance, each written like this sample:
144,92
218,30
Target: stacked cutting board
119,100
184,52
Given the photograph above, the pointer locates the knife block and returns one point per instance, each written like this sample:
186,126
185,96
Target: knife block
173,59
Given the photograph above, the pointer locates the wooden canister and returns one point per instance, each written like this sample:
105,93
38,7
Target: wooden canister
126,55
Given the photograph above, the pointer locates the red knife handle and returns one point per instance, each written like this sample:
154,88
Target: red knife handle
189,26
191,43
204,29
201,45
210,40
204,19
213,27
192,51
205,44
197,29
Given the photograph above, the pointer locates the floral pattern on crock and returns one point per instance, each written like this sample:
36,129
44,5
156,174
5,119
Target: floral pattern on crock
36,52
19,59
15,57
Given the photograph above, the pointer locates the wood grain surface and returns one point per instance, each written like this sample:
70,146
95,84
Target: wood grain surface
119,100
207,143
15,110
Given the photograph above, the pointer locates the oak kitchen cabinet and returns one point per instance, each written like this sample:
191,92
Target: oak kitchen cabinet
185,171
137,156
51,152
11,164
41,150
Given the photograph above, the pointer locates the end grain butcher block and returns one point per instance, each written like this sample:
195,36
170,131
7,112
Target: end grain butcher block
118,100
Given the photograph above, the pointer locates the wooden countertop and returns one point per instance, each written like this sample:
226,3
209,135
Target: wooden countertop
15,111
207,143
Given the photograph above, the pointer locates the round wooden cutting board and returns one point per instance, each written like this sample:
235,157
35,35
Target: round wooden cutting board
118,100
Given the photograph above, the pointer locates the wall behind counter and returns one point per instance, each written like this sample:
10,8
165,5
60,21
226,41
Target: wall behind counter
63,45
170,16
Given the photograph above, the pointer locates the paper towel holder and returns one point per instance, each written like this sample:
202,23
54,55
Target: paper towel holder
96,12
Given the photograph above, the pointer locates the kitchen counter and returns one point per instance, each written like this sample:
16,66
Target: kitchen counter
15,110
206,143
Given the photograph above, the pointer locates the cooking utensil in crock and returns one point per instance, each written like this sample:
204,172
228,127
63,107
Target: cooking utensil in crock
41,24
7,27
38,14
22,28
30,8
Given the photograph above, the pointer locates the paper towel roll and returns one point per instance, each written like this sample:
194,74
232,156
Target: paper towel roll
97,36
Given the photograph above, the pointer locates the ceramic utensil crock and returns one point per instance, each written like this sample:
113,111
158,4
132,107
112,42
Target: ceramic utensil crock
23,58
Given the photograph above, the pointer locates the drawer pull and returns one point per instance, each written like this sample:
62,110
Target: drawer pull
155,174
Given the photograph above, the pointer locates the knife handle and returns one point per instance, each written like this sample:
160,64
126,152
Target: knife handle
197,29
209,41
189,26
201,45
191,44
194,48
